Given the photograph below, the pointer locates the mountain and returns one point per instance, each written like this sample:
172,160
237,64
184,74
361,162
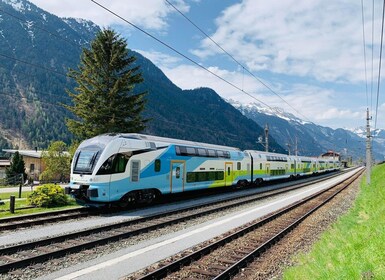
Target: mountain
38,48
311,139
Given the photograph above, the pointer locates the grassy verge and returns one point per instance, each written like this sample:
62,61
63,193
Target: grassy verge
354,247
22,202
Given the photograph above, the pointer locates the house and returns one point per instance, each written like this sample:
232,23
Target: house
330,155
34,165
4,163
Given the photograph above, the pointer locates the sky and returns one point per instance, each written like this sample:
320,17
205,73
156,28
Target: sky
307,57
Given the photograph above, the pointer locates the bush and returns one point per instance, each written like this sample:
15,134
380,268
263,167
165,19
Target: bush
48,195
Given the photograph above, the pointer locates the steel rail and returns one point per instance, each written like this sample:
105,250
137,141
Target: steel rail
188,259
117,231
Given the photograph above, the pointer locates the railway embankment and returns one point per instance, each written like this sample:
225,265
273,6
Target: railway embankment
353,247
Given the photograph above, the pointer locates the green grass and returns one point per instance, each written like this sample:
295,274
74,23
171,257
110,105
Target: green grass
354,247
24,194
22,202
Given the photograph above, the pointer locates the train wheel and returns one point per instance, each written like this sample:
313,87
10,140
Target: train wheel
258,182
127,200
241,184
149,196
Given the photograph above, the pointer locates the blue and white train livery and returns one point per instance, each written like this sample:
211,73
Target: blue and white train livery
130,168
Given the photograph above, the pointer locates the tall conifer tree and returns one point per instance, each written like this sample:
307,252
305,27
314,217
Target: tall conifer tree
104,101
16,169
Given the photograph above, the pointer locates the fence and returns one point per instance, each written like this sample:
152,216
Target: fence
14,180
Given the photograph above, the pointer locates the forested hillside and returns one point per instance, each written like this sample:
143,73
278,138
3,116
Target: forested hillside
35,54
37,49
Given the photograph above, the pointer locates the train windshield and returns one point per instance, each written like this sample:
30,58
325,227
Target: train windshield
85,161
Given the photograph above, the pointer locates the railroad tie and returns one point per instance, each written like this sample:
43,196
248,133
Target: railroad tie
231,262
45,249
219,267
8,259
204,272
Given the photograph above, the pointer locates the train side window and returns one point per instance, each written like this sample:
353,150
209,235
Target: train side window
190,177
202,152
228,171
219,175
220,154
157,165
106,167
120,163
177,172
260,166
190,151
211,153
239,165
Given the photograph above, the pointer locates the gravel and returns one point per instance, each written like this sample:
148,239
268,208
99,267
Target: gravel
272,263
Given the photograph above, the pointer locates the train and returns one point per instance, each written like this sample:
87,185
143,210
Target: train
129,168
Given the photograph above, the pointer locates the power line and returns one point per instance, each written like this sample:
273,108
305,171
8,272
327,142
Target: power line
363,39
372,79
42,29
379,66
235,60
33,64
121,118
181,54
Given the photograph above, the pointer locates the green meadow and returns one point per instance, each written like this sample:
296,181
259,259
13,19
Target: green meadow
22,202
354,247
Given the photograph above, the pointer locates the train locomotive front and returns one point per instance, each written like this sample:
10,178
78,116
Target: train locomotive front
98,170
132,168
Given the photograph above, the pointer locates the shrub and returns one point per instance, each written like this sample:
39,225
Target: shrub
48,195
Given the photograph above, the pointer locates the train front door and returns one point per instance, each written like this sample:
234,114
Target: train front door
177,176
228,174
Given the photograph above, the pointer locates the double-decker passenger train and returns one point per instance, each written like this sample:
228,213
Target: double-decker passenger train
130,168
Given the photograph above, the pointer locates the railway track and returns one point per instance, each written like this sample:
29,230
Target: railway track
25,221
228,257
18,256
30,220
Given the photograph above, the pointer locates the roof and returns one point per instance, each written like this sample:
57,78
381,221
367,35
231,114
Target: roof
330,154
27,153
5,162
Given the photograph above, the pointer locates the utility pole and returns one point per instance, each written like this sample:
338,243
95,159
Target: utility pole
266,138
288,147
368,149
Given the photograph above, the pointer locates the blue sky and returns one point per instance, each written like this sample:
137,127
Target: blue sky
311,53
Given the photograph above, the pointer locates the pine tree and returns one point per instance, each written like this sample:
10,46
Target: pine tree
16,168
105,101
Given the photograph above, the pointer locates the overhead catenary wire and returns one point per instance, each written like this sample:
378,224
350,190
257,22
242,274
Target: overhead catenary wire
372,78
364,45
379,65
200,128
42,29
34,65
236,61
181,54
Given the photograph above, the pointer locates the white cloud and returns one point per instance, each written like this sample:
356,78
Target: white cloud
310,102
321,39
150,14
160,59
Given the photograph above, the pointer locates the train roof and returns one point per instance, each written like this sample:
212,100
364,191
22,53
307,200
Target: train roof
164,140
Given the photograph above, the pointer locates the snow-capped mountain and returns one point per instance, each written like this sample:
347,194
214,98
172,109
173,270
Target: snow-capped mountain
308,138
378,135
